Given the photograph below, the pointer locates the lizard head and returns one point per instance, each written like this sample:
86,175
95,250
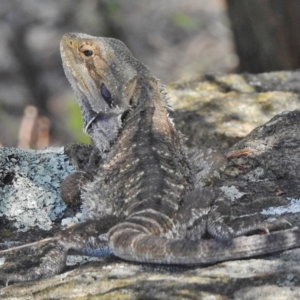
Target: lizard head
103,75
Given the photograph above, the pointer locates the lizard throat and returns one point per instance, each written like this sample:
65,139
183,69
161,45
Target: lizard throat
104,128
94,118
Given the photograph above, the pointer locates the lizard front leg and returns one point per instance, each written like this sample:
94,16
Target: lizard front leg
85,159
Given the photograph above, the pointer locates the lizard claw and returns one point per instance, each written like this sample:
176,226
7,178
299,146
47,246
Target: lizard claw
267,226
278,224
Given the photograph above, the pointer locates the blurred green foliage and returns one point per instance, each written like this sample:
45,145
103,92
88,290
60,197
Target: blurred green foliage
75,124
185,21
113,6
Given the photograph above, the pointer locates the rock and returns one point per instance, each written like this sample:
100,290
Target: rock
30,181
216,111
262,179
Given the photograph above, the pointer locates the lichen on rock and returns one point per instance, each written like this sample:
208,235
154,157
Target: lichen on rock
30,182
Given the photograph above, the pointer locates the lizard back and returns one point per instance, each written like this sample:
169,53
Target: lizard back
146,173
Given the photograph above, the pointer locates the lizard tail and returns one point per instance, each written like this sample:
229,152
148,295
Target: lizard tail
133,245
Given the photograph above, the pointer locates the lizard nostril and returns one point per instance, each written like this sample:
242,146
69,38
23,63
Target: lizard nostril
131,101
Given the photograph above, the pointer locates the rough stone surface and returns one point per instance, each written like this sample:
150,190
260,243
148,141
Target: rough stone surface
264,182
218,110
29,184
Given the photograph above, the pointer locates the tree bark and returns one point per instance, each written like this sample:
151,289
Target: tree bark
266,34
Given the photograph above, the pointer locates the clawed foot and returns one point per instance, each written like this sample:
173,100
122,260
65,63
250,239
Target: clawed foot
278,224
267,226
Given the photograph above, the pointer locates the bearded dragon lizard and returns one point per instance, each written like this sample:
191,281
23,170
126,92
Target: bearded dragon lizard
150,200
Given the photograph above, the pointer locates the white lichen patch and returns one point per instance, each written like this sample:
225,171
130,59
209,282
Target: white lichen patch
29,187
232,193
67,222
292,207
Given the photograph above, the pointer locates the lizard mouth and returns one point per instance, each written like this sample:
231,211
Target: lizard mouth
88,121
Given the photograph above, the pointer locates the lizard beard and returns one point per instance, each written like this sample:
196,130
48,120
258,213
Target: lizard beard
104,129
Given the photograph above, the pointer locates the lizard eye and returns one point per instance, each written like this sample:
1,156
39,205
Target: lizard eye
106,95
87,50
88,53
